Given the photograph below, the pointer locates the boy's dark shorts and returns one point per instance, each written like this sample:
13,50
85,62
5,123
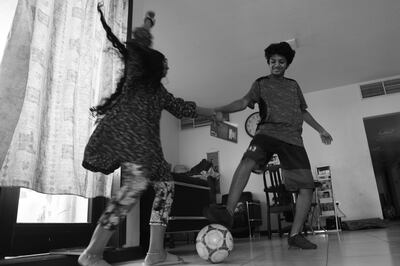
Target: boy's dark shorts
296,170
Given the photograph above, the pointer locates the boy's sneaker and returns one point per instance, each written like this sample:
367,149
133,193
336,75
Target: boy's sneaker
219,214
299,241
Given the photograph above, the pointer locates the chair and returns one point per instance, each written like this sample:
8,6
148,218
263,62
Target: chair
247,214
282,200
313,213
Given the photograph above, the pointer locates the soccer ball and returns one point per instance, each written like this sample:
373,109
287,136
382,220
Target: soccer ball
214,243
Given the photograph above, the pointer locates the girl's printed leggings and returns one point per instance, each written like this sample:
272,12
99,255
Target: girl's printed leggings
134,183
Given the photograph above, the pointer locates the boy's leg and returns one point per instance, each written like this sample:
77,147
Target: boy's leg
239,182
296,172
164,194
255,155
134,183
303,205
224,214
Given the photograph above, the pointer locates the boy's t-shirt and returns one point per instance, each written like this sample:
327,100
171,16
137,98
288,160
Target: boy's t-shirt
281,103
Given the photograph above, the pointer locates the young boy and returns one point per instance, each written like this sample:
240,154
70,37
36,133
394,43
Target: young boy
282,110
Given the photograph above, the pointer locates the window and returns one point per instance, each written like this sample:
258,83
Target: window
34,207
33,223
39,231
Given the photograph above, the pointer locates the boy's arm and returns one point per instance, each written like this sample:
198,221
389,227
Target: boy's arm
234,106
248,100
325,136
205,111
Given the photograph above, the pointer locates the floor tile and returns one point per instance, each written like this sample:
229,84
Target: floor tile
374,247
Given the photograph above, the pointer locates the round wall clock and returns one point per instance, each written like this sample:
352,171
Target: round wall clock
251,123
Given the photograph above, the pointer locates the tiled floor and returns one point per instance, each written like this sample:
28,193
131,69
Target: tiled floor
375,247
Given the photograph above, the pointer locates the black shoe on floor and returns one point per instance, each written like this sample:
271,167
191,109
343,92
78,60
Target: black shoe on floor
299,241
218,214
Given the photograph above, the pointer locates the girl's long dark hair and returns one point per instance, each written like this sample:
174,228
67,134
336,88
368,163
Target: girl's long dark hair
109,102
152,64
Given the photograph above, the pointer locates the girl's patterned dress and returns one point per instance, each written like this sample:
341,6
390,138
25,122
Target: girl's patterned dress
128,136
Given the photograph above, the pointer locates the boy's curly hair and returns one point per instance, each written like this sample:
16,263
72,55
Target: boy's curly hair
283,49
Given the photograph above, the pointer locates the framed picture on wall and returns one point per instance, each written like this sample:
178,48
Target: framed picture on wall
224,131
213,157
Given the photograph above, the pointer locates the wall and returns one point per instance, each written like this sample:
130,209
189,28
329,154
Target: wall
170,137
341,111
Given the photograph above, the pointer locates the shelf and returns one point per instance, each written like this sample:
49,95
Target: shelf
325,200
327,213
324,195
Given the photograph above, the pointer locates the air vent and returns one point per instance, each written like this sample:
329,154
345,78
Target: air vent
392,86
371,90
380,88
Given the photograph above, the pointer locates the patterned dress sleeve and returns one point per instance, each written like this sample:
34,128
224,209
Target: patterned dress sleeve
254,94
177,106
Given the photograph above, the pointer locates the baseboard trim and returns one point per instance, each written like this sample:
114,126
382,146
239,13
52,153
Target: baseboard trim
69,257
42,260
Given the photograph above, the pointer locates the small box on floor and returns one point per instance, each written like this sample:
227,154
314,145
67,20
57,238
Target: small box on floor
331,223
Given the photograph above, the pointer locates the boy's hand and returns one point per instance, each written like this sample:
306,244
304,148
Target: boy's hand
326,137
219,117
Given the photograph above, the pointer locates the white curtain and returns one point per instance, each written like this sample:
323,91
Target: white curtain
56,65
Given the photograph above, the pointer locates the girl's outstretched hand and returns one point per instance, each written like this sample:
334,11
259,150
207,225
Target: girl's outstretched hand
100,4
149,20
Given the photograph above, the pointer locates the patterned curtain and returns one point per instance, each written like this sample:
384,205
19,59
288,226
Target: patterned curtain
56,65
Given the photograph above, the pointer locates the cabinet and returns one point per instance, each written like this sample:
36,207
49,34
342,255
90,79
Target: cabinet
325,200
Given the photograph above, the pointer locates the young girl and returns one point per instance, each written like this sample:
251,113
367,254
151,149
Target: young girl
128,136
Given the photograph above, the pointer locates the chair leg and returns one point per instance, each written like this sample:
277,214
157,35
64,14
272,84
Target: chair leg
305,231
280,225
269,224
248,219
312,221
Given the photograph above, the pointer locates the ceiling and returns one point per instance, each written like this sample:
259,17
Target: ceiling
215,47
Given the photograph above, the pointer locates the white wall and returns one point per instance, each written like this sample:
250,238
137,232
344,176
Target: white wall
341,111
170,137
